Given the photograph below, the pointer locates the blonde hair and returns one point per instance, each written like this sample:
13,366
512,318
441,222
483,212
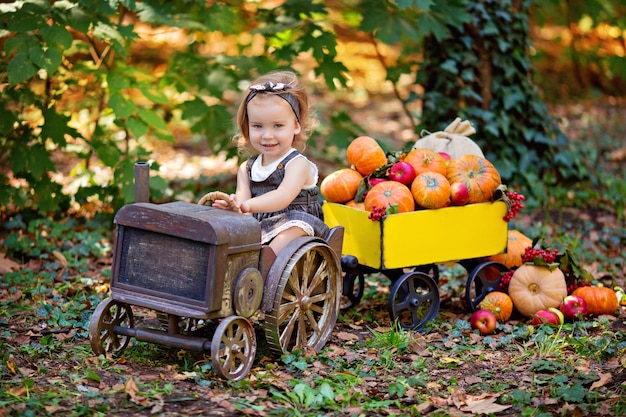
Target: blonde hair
306,119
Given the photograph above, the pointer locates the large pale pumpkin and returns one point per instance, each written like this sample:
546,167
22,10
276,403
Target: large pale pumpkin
533,288
341,186
478,174
431,190
599,300
516,245
426,160
366,155
387,193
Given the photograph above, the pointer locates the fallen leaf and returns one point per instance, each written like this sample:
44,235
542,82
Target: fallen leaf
184,376
348,337
473,379
425,407
617,155
7,265
133,392
440,402
60,258
482,404
447,359
52,408
604,379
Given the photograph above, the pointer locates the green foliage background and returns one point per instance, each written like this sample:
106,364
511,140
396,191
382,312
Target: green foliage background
126,96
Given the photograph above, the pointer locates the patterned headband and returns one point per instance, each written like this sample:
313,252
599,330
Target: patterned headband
281,91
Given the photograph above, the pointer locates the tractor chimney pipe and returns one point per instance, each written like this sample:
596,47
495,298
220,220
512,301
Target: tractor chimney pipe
142,182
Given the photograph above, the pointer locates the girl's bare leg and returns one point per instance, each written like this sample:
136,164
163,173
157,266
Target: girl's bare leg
283,238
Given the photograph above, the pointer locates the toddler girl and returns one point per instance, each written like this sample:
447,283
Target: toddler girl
278,184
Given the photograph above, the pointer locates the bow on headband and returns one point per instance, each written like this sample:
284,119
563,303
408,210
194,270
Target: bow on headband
280,89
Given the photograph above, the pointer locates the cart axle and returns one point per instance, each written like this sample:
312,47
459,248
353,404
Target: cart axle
173,341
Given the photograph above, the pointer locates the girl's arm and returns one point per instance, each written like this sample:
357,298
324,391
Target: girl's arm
297,174
242,193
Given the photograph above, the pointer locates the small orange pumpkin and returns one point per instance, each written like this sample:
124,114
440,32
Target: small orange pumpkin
340,186
499,303
387,193
354,204
516,245
533,288
600,300
366,155
478,174
431,190
426,160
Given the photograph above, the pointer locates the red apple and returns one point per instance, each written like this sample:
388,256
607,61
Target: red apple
548,316
573,307
402,172
373,181
459,194
446,157
484,321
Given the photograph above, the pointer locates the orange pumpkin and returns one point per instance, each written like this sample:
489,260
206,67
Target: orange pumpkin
341,186
516,245
431,190
478,174
499,303
600,300
366,155
387,193
426,160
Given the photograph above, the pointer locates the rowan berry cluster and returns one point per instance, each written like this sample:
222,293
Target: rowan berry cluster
377,213
514,203
548,255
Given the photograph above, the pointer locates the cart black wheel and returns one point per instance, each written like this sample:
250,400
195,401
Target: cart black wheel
483,279
413,300
353,287
305,302
107,315
233,348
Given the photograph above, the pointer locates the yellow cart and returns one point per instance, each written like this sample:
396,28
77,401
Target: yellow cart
407,247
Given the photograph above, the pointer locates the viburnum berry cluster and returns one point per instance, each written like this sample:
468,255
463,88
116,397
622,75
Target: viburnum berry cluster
514,204
505,280
548,255
572,284
377,213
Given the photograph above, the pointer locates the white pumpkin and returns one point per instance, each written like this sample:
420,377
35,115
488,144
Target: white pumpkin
533,288
453,140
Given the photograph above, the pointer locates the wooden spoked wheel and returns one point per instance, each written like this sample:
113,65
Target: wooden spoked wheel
413,300
482,280
108,315
304,305
233,348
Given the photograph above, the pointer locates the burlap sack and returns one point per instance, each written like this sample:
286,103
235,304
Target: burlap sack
453,140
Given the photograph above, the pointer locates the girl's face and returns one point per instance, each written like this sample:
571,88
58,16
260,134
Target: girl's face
272,125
